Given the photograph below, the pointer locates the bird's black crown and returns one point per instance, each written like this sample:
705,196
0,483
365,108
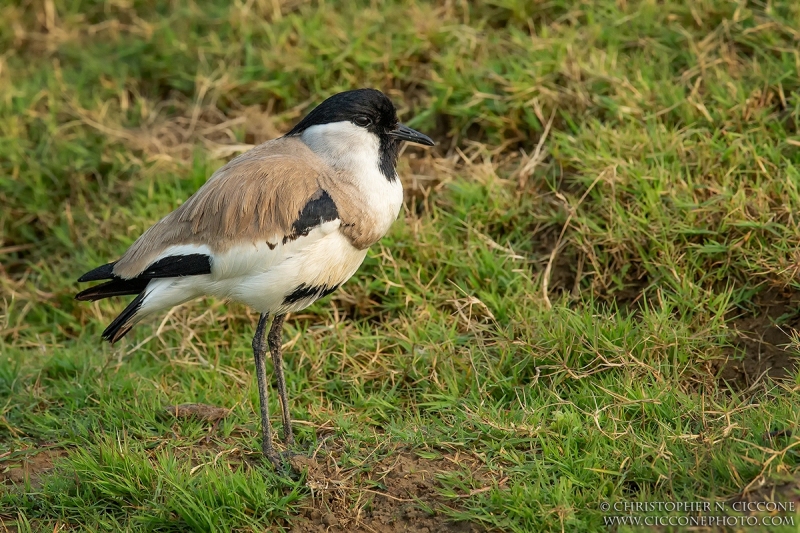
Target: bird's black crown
367,108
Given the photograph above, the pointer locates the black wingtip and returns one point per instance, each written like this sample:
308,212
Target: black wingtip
124,322
84,296
101,272
115,287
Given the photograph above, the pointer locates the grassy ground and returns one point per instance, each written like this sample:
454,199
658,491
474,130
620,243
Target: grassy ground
589,297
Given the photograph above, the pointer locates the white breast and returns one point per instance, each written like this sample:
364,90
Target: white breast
261,277
355,153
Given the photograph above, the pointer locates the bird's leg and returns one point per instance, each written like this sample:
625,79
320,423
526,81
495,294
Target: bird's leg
260,352
274,339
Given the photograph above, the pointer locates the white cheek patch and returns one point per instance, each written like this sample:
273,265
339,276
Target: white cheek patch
354,151
344,145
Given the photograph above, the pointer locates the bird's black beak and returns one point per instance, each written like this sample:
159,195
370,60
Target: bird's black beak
407,134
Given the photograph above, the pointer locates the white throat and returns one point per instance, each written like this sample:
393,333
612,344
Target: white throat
355,153
344,146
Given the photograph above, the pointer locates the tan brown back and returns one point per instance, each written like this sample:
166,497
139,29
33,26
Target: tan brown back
256,196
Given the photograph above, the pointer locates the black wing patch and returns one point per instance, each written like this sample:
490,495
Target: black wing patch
319,209
178,265
304,291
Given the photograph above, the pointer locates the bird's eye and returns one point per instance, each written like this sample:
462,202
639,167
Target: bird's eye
362,121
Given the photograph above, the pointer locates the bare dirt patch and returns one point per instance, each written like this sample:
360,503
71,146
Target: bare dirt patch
762,344
397,495
18,469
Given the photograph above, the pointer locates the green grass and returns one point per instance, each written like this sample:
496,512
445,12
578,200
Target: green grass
609,215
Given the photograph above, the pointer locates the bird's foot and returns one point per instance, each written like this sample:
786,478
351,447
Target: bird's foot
280,460
275,458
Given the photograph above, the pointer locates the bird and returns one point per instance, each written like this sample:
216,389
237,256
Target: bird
276,228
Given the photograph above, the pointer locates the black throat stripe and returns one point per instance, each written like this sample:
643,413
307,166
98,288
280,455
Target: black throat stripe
389,150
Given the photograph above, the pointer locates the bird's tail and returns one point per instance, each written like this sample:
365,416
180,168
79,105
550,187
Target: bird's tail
153,284
124,321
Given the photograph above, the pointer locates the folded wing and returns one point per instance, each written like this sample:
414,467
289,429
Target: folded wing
270,195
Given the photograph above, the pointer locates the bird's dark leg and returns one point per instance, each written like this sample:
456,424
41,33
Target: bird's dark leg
275,343
260,352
